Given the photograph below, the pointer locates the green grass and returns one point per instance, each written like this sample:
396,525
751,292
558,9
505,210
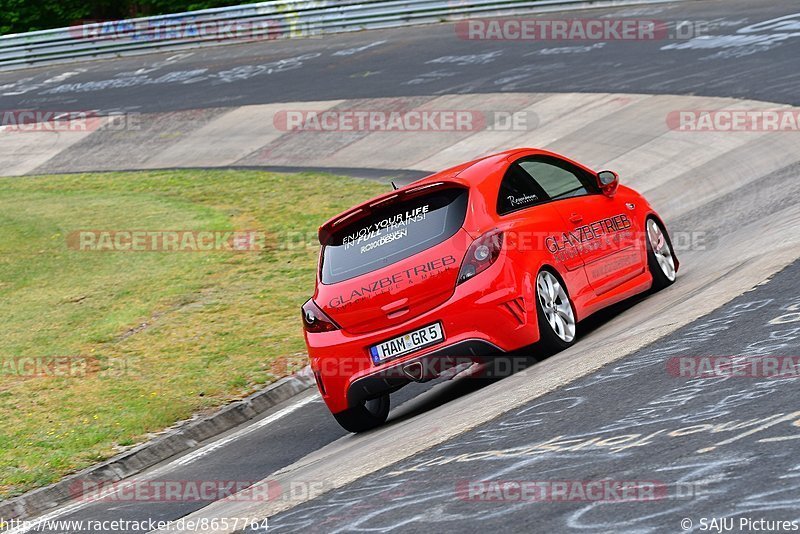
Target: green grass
183,332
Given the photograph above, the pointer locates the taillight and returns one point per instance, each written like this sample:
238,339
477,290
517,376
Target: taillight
483,252
315,320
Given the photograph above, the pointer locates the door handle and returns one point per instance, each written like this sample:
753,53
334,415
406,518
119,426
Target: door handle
575,218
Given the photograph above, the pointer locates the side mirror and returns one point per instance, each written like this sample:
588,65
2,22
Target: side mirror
608,182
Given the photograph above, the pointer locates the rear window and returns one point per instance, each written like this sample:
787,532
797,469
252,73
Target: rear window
393,233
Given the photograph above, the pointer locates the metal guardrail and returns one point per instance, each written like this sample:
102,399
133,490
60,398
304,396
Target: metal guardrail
275,19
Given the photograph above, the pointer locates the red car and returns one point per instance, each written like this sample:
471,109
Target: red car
474,261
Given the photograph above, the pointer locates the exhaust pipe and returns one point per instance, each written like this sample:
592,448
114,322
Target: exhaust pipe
413,371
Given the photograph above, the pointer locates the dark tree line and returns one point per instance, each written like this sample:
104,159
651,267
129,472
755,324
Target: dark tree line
26,15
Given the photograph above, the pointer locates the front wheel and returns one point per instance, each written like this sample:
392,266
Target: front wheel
366,416
556,317
660,258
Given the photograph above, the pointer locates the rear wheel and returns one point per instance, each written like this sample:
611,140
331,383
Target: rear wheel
660,258
557,324
366,416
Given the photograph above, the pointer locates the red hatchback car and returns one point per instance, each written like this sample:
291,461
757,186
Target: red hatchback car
474,261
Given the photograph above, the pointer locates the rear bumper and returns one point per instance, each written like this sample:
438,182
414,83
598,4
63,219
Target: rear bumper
419,369
491,313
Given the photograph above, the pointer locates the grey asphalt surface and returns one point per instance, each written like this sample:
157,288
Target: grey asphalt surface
716,447
635,396
725,58
248,459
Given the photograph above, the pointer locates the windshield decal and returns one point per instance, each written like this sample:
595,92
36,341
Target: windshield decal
381,230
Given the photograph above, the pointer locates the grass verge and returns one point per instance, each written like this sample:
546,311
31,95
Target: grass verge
166,334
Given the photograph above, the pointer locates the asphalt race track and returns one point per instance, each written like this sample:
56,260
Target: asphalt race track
430,60
719,447
608,408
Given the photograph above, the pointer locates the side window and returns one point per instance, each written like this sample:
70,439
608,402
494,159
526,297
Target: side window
557,180
518,190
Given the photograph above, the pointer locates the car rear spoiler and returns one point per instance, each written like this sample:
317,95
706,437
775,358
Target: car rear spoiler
368,208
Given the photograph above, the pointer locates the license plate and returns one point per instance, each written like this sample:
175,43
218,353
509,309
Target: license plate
400,345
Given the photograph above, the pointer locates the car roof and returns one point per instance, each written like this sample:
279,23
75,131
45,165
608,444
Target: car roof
483,174
470,173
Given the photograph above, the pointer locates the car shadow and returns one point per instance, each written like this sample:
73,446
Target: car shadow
441,391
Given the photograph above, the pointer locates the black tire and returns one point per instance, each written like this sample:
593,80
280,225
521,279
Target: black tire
660,279
366,416
549,340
